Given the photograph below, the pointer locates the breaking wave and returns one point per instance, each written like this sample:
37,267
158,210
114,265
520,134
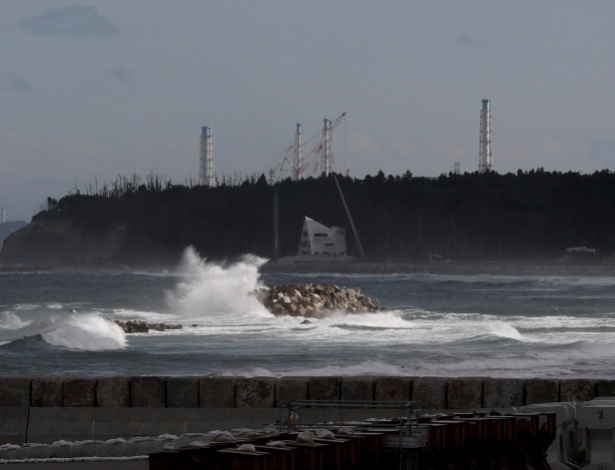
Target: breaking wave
215,289
87,332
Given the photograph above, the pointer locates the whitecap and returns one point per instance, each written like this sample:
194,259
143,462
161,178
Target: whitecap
371,367
87,332
504,330
10,321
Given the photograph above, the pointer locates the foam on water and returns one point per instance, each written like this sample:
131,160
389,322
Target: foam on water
209,289
10,321
379,320
25,307
382,327
88,332
504,330
362,368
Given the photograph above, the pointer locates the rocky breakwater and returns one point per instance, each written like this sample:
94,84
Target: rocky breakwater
316,300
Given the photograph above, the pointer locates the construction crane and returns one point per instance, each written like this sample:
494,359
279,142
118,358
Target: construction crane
298,162
324,145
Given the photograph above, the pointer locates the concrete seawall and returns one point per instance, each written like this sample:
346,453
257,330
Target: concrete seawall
46,409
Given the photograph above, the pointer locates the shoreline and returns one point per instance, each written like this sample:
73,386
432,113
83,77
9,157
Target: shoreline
559,267
466,268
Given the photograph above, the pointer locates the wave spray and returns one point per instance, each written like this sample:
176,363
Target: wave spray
210,289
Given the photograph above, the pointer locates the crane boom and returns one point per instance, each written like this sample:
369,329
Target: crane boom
335,123
323,147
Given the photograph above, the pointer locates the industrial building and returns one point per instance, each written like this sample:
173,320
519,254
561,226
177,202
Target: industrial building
320,240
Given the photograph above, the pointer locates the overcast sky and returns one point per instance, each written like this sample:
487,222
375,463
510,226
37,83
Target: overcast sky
90,91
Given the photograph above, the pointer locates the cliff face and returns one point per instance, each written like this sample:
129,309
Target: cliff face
6,228
50,242
60,241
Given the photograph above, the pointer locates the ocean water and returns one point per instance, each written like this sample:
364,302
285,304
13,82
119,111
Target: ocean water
432,325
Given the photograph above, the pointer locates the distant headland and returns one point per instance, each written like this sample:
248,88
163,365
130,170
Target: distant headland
421,223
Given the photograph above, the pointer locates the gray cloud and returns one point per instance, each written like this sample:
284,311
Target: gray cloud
480,45
121,74
76,20
14,83
467,41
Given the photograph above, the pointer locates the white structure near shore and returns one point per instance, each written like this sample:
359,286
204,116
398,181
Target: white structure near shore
320,240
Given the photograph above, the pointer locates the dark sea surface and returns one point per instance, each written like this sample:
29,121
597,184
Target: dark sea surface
433,325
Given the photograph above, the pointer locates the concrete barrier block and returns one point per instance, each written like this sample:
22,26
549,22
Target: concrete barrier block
463,393
14,428
324,388
183,392
541,391
358,388
577,390
148,392
217,392
503,393
80,392
113,392
47,392
605,388
255,392
392,388
289,389
15,391
47,425
429,392
113,423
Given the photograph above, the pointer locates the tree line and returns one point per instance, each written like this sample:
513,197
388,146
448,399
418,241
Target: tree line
470,216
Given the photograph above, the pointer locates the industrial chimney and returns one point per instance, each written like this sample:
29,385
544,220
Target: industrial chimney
207,157
298,163
326,158
485,154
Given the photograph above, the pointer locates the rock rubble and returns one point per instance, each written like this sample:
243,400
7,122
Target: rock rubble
316,300
140,326
297,300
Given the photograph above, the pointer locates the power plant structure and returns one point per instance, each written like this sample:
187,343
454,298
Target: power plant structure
326,158
485,152
325,144
324,149
298,159
206,170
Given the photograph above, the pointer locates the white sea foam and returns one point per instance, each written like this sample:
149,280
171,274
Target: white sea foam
20,307
385,319
362,368
504,330
209,289
10,321
87,332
